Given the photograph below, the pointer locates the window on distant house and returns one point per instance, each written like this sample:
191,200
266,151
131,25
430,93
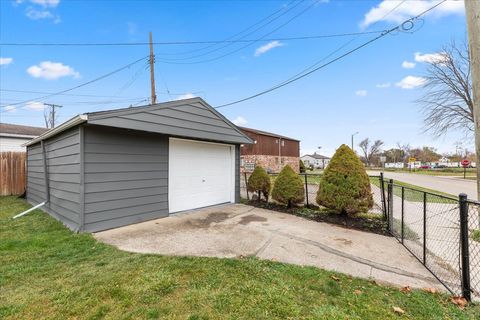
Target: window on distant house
283,143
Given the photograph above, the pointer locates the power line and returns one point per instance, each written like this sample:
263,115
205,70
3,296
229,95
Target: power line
242,37
83,84
243,47
400,27
311,37
226,40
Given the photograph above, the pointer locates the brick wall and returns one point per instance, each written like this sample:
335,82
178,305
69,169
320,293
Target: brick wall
269,163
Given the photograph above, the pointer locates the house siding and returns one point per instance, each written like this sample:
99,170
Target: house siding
63,170
190,120
126,177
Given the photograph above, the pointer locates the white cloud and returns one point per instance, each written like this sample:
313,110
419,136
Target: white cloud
186,96
132,28
35,14
34,105
383,85
46,3
240,121
430,57
411,82
408,65
267,47
5,61
408,9
10,109
52,70
361,93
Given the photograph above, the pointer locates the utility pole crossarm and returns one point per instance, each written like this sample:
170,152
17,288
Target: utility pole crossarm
472,9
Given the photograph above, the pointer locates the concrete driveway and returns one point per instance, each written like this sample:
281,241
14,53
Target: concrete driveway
237,230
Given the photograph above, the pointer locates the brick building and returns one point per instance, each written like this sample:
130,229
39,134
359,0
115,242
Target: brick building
270,150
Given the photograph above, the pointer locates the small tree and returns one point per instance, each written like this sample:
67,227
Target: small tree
302,167
259,181
288,187
345,186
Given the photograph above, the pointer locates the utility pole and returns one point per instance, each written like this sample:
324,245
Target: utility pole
472,9
50,120
353,134
152,72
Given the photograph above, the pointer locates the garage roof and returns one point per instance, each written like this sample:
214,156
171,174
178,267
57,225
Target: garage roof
189,118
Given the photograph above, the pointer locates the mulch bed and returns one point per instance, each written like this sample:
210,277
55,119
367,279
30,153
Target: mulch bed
368,223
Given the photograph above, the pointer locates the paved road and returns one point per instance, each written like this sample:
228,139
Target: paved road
452,185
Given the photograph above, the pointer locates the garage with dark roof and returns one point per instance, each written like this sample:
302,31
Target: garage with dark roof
107,169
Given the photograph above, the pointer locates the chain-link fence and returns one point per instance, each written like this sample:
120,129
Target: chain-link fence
442,232
311,182
430,225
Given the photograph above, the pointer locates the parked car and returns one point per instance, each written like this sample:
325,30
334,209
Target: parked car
424,167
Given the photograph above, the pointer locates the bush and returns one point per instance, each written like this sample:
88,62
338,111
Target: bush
345,186
259,181
302,167
288,187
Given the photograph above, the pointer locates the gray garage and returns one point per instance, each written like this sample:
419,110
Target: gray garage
108,169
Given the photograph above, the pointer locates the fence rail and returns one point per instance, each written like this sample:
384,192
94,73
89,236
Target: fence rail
12,173
311,182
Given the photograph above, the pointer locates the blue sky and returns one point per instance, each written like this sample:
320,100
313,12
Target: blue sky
363,92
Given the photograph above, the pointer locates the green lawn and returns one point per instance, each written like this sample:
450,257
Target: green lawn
48,272
458,172
414,193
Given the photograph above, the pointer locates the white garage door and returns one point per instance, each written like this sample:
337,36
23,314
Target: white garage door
200,174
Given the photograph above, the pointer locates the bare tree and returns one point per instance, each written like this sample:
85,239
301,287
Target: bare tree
447,102
370,151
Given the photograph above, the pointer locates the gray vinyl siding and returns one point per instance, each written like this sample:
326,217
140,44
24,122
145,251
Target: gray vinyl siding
126,177
63,168
191,120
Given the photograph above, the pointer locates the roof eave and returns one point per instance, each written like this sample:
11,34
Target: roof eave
81,118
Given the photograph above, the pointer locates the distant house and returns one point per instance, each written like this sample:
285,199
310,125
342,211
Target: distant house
12,136
315,160
269,150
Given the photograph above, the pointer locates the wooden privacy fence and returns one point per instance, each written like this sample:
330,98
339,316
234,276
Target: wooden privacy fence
12,173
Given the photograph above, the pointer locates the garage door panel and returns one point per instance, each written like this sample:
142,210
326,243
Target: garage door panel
200,174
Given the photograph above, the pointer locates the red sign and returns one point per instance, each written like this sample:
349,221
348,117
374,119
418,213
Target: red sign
465,162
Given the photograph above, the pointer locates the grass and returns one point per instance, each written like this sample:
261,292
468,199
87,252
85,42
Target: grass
475,235
414,193
46,271
456,172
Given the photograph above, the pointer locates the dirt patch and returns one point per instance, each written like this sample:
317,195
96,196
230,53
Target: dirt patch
251,218
369,223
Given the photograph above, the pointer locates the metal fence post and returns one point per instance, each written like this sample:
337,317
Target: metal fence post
382,196
403,213
246,185
390,205
306,188
424,228
465,255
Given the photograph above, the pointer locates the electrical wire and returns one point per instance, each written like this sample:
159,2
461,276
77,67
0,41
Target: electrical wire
397,28
243,37
81,85
249,44
311,37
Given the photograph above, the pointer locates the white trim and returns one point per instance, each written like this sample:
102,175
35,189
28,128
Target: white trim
81,118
